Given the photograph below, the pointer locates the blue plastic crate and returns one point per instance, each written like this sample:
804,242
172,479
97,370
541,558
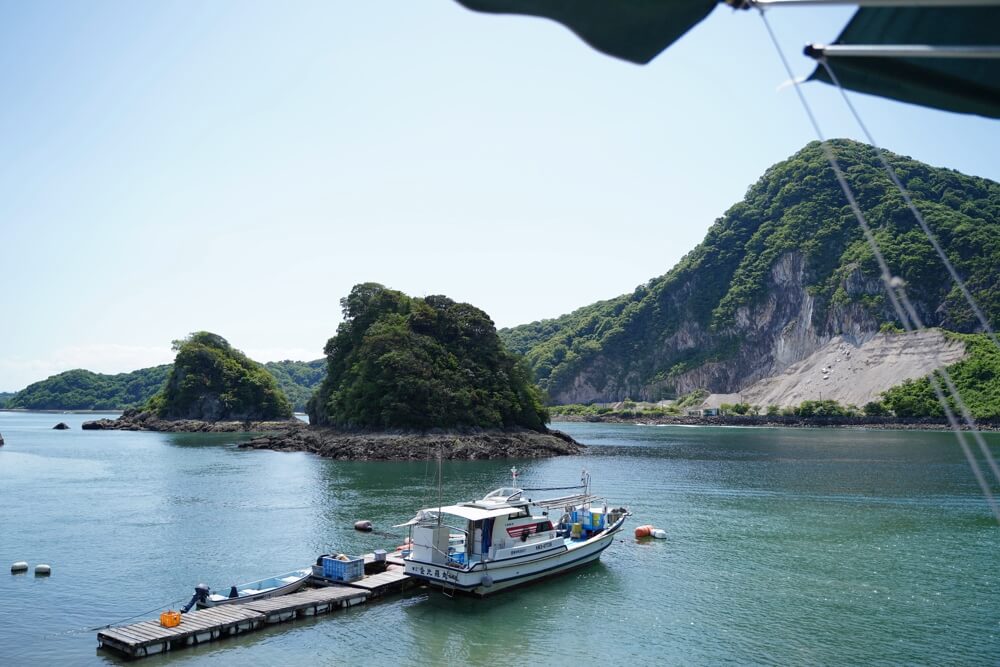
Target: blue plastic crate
343,570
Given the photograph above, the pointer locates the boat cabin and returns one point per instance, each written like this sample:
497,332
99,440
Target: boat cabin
500,526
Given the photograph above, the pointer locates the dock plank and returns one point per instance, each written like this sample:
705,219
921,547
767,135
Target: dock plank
145,633
381,580
149,637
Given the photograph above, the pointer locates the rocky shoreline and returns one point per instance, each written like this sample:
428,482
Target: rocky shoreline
885,423
134,420
296,436
407,446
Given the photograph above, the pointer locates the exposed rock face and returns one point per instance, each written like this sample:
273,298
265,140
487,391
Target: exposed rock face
134,420
471,445
778,276
777,332
783,329
61,426
855,375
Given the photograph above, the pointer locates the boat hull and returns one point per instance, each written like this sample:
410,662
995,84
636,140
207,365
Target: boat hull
509,573
290,587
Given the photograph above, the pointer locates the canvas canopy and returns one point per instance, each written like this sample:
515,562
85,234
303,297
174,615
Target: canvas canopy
638,30
464,511
937,78
634,30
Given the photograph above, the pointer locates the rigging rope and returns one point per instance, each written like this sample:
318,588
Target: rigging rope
983,322
915,318
553,488
896,290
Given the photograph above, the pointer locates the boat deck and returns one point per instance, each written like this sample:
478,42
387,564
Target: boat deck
145,638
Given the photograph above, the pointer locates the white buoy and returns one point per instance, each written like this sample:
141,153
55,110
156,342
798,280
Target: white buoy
658,533
42,570
19,566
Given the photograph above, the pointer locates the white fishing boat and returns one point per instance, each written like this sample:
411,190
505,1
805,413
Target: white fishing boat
507,539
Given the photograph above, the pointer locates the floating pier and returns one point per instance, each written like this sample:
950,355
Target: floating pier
391,581
146,638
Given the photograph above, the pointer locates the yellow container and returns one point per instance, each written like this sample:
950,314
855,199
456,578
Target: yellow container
170,619
577,530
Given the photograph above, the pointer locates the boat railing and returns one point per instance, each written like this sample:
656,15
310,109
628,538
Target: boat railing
566,501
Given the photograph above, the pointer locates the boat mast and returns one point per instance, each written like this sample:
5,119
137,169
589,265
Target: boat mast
440,482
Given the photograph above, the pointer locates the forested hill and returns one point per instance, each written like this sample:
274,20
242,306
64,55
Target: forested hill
420,363
781,273
84,390
213,381
298,379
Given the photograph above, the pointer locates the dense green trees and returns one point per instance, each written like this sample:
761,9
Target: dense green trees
83,390
212,380
298,379
796,206
405,362
977,378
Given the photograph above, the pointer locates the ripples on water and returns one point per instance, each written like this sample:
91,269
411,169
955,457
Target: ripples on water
786,546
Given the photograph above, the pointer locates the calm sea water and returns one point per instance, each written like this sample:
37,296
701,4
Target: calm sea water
786,546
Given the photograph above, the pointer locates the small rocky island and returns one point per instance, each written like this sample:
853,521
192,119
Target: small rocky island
407,378
211,387
147,420
415,378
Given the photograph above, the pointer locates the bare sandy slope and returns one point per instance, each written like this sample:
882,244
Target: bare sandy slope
851,375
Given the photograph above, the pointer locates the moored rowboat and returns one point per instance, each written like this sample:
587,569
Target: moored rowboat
281,584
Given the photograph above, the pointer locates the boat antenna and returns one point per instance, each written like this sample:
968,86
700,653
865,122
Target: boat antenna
440,481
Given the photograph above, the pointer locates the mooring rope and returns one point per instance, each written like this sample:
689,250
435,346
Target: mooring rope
120,621
896,290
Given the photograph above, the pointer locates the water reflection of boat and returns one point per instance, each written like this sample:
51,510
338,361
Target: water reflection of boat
506,539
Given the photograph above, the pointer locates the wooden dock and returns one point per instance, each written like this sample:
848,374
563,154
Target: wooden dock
393,580
139,640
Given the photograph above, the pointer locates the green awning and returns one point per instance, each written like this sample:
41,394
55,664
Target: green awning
635,30
966,85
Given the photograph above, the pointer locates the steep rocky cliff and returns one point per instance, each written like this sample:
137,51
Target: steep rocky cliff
780,275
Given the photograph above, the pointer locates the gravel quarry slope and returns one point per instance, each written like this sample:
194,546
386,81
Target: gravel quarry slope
852,374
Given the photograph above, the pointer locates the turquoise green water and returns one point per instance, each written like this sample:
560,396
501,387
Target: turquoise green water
786,546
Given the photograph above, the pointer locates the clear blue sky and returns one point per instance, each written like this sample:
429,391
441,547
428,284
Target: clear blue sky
237,166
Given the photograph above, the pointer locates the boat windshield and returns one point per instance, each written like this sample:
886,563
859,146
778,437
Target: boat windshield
503,494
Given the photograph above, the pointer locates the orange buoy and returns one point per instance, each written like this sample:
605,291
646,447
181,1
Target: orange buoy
643,531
